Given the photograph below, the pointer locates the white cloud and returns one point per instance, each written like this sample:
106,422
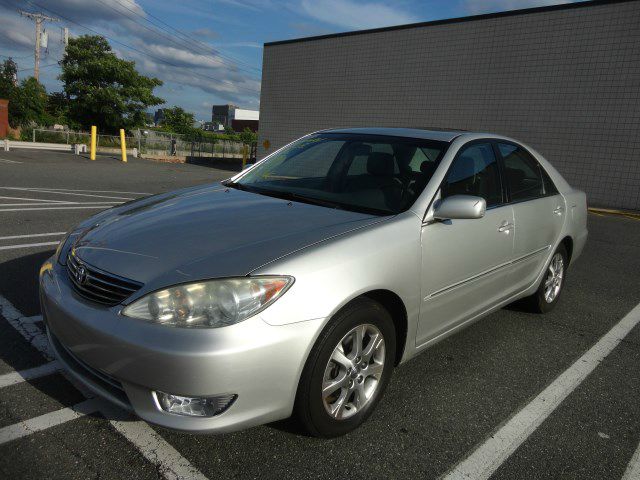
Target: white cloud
484,6
198,66
355,15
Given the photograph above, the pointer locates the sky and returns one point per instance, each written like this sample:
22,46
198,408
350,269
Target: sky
210,51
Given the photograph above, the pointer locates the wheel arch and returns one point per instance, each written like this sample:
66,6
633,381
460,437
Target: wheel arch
568,245
396,308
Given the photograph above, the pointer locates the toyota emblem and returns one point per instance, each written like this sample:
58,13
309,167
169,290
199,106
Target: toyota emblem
81,274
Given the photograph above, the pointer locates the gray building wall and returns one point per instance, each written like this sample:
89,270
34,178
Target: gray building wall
564,80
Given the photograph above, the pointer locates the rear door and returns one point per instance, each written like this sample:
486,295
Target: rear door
465,262
538,209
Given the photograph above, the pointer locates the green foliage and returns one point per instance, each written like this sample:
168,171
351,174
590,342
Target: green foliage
177,120
102,89
8,71
248,136
58,107
27,104
229,131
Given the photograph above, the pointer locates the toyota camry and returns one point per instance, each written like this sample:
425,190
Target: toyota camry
298,285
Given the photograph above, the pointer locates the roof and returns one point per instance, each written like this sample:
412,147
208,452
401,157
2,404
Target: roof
439,135
509,13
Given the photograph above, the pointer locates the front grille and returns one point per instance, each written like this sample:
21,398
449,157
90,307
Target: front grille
97,285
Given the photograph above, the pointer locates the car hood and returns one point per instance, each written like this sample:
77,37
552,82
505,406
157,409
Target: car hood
206,232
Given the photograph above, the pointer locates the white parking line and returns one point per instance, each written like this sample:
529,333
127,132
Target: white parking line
48,420
4,160
633,469
52,234
58,192
80,206
483,461
75,190
153,447
28,245
29,374
34,199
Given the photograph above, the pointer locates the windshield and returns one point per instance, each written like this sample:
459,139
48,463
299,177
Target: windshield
368,173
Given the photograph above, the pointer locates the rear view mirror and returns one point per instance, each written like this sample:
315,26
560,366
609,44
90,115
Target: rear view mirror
460,207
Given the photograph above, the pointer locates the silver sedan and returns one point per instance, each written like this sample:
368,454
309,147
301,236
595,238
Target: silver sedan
298,285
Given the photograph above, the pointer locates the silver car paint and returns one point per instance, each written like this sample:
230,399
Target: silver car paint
443,282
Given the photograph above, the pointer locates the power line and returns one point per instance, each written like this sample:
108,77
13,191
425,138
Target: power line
189,37
189,43
158,59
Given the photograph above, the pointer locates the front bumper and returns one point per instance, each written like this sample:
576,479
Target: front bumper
125,360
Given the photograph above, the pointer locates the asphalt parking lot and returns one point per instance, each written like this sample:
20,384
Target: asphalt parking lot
574,370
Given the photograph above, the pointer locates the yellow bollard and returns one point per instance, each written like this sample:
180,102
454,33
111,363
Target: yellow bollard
94,132
244,156
123,145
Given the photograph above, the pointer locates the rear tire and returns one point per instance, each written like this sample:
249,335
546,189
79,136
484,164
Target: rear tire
552,284
342,382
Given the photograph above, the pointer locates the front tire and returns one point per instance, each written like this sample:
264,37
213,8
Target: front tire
348,370
548,293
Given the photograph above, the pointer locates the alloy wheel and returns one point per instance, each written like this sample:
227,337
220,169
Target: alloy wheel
553,280
353,372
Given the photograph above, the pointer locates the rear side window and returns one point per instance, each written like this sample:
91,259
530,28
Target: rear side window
474,172
523,173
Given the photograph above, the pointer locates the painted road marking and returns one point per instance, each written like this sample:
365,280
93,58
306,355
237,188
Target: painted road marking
485,459
42,190
4,160
28,245
153,447
80,206
48,420
29,374
78,190
633,469
34,199
52,234
61,204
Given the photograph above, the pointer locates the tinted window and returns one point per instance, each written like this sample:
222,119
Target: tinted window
474,172
368,173
522,172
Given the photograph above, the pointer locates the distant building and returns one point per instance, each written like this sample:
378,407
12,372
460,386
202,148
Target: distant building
245,119
4,118
233,117
223,114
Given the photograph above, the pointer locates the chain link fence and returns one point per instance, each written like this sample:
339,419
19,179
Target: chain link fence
154,144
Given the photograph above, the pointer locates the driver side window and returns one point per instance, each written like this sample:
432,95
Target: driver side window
475,172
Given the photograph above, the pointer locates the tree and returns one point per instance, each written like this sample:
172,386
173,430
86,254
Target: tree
102,89
248,136
27,104
177,120
58,107
8,72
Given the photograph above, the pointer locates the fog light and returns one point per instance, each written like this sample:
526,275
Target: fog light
194,406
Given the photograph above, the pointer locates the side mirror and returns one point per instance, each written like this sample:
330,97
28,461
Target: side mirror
460,207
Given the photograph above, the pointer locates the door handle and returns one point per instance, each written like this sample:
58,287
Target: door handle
505,227
558,210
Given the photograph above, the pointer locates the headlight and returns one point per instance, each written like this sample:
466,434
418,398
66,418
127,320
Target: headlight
211,304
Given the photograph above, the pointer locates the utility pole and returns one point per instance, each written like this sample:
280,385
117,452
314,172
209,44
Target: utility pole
39,18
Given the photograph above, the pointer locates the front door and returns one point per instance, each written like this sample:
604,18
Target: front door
466,263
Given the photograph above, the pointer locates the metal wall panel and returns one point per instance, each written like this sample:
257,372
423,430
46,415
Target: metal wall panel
564,80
